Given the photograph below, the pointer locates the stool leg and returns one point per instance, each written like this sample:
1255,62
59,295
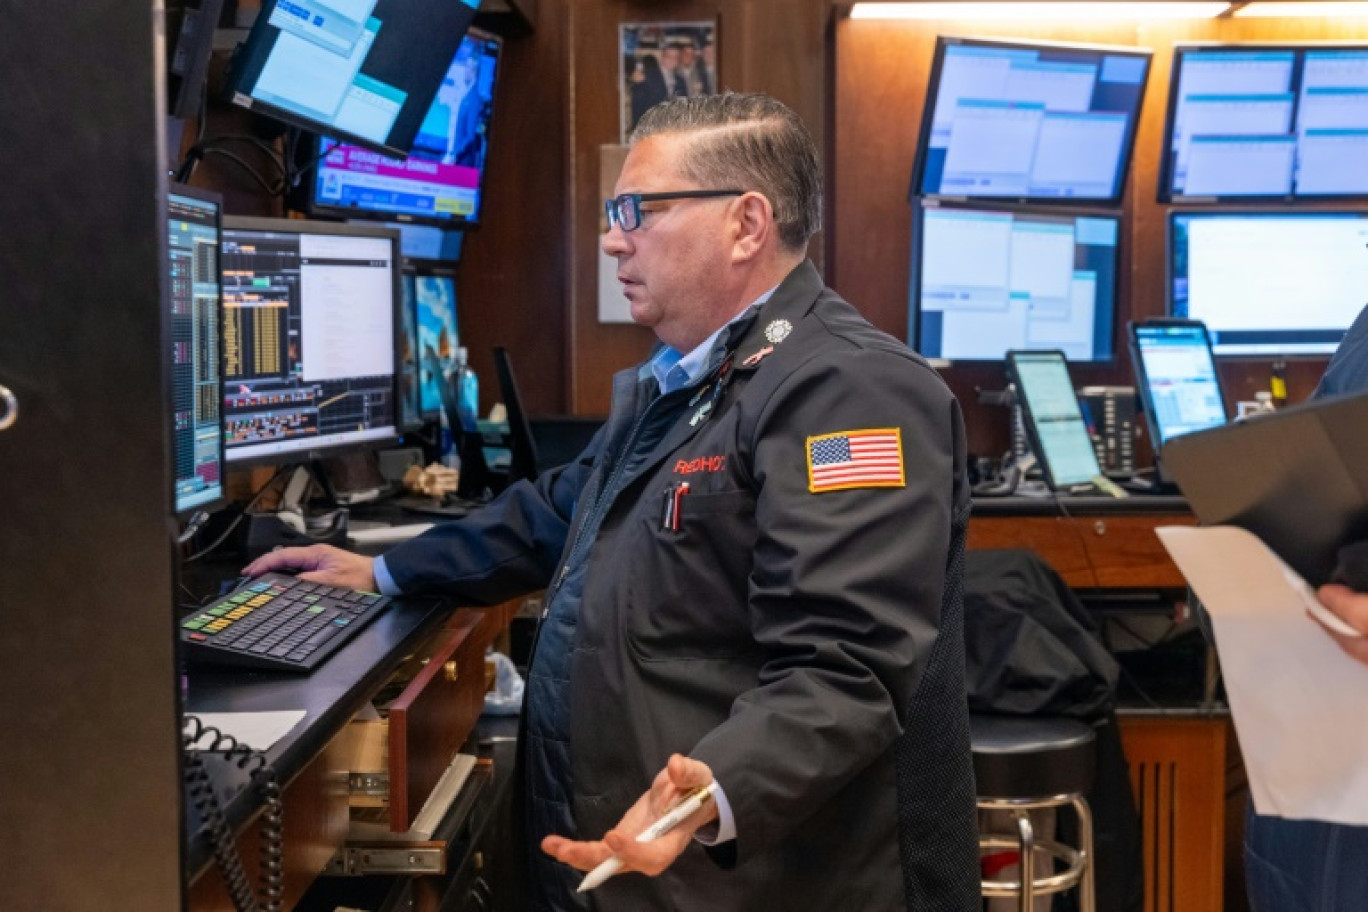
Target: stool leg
1026,843
1087,888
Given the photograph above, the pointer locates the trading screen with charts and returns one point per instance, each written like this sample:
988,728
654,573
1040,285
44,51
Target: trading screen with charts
308,341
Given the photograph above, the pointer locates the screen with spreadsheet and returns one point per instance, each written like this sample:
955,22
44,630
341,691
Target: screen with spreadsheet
195,297
987,279
1266,121
1059,435
1030,121
1269,284
1176,373
310,329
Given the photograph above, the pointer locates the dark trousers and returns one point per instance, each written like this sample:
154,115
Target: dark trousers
1305,865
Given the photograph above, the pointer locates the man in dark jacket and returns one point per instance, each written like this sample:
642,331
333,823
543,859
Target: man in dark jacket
753,573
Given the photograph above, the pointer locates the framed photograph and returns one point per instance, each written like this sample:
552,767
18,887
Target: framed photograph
661,60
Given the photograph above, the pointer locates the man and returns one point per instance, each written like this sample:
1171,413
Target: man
1312,865
754,569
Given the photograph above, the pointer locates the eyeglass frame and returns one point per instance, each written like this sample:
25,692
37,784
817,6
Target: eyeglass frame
615,205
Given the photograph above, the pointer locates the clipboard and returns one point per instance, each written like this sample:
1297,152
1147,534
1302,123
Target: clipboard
1297,478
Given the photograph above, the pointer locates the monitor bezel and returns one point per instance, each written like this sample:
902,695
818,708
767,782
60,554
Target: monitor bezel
208,506
929,109
238,95
309,226
1133,328
1028,416
315,152
1170,243
1168,161
914,315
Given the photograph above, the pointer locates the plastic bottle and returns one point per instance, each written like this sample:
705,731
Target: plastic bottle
467,392
447,452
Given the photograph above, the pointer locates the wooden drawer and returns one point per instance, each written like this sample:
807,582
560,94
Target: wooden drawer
431,717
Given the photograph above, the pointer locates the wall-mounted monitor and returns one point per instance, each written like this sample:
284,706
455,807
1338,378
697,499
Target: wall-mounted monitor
195,298
442,180
1272,283
365,71
988,279
1029,121
311,318
1270,122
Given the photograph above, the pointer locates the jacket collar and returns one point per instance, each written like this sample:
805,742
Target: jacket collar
779,316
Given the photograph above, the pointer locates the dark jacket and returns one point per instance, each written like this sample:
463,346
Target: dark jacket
806,646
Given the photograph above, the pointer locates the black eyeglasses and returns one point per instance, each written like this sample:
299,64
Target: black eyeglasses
624,210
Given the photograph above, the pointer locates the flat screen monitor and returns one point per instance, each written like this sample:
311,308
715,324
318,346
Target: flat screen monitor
986,280
1054,422
365,71
434,294
441,182
1030,121
1176,373
1275,122
190,28
311,316
1269,284
195,298
409,411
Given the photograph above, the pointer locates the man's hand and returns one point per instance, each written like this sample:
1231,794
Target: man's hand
680,776
319,564
1352,608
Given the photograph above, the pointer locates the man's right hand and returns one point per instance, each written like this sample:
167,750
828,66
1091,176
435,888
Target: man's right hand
319,564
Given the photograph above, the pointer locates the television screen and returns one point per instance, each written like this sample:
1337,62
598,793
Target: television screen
365,71
1265,121
441,180
1269,283
1033,121
987,280
310,314
195,296
408,356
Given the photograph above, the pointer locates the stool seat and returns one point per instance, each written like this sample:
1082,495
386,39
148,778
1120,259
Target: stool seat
1031,756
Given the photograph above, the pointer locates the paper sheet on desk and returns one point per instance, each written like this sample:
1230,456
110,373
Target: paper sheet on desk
258,730
1300,704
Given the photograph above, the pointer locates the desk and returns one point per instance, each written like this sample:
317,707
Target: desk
1177,759
313,760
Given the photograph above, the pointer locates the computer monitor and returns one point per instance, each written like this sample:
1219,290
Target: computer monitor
989,279
190,28
442,180
1176,373
1054,422
1030,121
195,299
365,71
409,371
1277,122
1269,284
434,295
309,328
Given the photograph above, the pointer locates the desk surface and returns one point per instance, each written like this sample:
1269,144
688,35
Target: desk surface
1080,505
330,696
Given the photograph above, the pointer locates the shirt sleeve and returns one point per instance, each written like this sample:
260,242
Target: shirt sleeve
383,580
723,829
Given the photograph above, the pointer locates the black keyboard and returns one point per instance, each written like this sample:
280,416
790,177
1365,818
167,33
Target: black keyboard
278,622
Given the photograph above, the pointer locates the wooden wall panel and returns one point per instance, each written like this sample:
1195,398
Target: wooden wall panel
879,84
775,46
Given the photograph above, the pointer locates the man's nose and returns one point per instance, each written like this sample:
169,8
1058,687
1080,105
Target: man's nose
615,242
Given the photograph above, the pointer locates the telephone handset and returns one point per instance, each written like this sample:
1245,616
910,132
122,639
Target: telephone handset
226,858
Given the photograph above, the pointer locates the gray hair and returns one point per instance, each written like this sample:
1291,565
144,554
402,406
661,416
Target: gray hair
752,142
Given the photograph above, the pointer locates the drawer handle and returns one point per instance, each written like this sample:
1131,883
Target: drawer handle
451,671
1100,527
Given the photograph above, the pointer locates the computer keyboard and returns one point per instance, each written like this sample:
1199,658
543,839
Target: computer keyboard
278,622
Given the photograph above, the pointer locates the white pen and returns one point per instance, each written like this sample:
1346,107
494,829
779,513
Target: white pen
672,818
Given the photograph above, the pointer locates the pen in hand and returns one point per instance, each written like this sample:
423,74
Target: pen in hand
671,819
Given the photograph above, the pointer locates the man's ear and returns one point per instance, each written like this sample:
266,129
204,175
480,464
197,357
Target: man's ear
754,225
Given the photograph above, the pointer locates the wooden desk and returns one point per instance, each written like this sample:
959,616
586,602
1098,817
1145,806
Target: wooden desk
1177,760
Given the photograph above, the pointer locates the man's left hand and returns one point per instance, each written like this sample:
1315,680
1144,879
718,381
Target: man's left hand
680,777
1352,608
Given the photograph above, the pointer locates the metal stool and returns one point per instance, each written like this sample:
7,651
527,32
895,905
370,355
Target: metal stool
1021,763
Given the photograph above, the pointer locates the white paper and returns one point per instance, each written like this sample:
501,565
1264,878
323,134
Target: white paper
259,730
1300,703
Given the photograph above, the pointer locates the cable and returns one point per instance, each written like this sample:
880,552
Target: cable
238,520
226,856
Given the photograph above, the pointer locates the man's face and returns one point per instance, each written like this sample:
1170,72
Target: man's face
673,266
687,55
669,57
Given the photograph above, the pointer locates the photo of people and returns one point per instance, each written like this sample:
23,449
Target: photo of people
663,60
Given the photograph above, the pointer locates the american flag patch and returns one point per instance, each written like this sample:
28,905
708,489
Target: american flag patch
855,459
